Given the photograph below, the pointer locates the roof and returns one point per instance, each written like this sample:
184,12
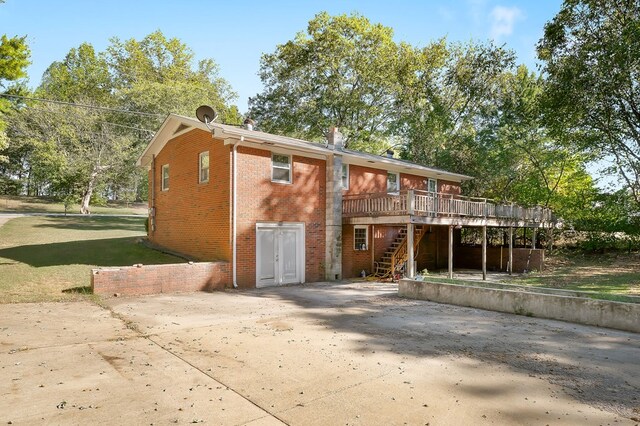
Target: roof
177,124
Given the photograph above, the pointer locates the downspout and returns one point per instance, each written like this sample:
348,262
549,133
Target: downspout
234,219
152,213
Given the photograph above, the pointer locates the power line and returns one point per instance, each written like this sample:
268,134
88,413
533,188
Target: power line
101,122
149,114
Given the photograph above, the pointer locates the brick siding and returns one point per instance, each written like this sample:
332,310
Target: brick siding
523,258
191,217
154,279
260,200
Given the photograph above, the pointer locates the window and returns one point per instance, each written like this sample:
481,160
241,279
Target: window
393,182
165,177
203,167
432,185
360,237
280,168
345,176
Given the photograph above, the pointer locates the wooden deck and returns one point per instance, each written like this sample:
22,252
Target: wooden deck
421,207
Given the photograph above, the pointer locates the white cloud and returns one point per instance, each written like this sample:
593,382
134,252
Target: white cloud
503,20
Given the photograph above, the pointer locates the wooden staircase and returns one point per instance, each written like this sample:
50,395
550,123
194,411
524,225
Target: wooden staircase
396,255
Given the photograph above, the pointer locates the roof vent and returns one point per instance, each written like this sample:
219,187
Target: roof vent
390,153
249,124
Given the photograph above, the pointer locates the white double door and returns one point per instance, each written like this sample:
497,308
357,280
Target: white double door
279,253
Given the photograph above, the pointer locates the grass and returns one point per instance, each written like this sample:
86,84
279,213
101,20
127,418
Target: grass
50,258
611,276
11,204
608,274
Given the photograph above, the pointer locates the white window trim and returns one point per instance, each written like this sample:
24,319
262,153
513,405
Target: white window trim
290,168
162,184
429,180
397,182
366,237
202,154
341,184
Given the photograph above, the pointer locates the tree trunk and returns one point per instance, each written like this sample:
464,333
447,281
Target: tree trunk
86,197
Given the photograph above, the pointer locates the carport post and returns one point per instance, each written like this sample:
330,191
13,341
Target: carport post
450,251
510,250
410,270
533,238
484,252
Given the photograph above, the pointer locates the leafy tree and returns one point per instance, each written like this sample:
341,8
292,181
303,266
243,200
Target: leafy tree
342,72
14,59
156,75
591,54
447,105
83,76
88,153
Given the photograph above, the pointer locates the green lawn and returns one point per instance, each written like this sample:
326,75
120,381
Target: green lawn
11,204
608,274
50,258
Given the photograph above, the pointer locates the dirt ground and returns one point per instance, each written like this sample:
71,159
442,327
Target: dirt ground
314,354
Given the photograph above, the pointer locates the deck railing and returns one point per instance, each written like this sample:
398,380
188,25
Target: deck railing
423,203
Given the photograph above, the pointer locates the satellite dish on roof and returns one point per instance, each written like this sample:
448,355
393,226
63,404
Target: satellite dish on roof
206,114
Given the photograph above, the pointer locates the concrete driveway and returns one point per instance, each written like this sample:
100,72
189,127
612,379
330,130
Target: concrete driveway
315,354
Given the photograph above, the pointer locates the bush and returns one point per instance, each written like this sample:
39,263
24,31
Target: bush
10,186
600,242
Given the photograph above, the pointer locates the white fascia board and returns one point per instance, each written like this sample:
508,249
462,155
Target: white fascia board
278,149
162,136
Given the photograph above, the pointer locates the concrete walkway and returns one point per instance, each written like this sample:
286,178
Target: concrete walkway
315,354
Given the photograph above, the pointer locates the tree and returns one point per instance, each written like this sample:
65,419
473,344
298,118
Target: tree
591,54
156,75
448,104
14,59
86,151
342,72
83,76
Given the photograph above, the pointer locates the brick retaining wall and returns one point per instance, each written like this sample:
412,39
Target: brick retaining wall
154,279
523,258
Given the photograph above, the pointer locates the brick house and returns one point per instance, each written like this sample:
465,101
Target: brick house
282,210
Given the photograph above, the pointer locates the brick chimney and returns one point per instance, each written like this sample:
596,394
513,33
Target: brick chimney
335,140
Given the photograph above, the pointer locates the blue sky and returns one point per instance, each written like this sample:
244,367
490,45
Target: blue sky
236,34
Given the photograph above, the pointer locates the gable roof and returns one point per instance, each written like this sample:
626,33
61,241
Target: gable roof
175,125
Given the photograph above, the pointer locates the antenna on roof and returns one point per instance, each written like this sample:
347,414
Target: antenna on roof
206,114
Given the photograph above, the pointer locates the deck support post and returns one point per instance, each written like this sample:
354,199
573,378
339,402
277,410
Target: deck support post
373,249
510,250
450,251
533,238
484,252
411,202
411,273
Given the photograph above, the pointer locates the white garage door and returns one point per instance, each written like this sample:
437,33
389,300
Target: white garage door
279,253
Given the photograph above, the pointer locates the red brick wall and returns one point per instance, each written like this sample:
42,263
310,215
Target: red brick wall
154,279
523,258
366,180
354,261
260,200
413,182
369,180
449,187
191,217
